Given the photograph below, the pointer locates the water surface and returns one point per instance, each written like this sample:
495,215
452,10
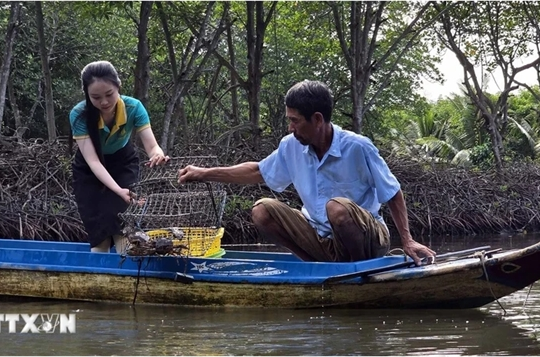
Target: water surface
116,329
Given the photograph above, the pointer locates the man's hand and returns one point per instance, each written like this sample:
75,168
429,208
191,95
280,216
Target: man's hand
418,251
190,173
413,249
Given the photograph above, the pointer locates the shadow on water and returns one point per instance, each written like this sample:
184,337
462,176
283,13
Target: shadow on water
114,329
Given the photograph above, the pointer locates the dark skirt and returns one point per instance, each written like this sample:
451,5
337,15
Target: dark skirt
98,206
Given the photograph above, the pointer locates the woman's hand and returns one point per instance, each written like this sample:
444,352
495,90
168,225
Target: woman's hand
154,152
127,195
157,159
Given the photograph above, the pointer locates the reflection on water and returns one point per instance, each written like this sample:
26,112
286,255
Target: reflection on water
111,329
106,329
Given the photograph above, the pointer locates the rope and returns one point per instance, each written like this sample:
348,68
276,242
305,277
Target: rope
482,256
139,264
393,251
209,187
397,251
527,297
145,208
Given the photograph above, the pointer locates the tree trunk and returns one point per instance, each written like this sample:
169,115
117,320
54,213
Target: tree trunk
235,120
168,39
19,130
49,104
364,24
203,44
178,119
496,139
494,113
142,75
256,27
254,70
11,32
358,48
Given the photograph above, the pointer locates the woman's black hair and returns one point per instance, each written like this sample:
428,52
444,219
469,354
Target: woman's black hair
309,97
99,70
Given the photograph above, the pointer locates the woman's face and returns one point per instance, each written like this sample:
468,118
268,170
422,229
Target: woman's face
103,95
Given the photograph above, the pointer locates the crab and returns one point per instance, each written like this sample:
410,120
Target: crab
163,245
135,235
176,232
140,250
141,244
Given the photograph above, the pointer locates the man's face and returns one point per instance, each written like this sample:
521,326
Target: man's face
302,129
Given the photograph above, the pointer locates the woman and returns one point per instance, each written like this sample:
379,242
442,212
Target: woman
106,163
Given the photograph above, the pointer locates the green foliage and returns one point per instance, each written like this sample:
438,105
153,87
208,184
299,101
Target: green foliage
482,156
397,66
76,33
236,204
300,43
523,136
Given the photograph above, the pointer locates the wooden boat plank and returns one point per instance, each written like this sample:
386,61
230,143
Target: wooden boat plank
436,291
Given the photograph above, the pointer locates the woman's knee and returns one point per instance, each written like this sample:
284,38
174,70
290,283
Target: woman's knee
103,247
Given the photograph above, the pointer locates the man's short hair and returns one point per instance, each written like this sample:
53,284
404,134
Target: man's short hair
309,97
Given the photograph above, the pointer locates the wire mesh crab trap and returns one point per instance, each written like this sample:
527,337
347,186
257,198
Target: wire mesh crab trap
169,171
168,217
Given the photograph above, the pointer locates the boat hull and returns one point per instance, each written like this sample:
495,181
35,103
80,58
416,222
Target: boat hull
280,282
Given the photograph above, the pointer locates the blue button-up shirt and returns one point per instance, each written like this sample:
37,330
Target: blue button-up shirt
351,168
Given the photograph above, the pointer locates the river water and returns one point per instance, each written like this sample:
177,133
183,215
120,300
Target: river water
511,328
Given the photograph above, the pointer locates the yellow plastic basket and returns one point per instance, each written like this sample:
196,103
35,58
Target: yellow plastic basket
201,241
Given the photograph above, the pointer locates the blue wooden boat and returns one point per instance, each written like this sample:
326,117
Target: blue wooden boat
63,270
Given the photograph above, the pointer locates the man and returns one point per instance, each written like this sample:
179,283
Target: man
340,178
